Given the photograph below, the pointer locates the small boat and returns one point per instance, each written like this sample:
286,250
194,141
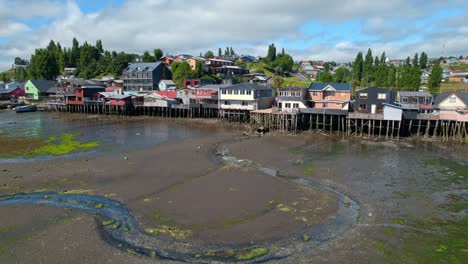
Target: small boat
27,108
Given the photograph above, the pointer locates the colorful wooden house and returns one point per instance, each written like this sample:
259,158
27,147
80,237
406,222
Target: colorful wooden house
38,89
9,93
330,95
86,95
453,106
245,96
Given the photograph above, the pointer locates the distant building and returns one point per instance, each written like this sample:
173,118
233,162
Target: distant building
7,94
453,106
145,76
167,85
414,100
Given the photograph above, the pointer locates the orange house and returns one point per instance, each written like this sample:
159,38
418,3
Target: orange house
330,95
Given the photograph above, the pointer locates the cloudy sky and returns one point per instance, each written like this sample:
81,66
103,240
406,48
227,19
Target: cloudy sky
307,29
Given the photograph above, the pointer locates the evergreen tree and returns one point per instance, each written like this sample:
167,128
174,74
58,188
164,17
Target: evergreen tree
99,46
282,51
357,68
220,52
158,53
407,62
271,55
75,53
435,79
391,79
342,75
367,70
231,51
227,52
423,60
416,60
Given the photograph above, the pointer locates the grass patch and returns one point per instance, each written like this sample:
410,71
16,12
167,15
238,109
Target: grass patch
398,221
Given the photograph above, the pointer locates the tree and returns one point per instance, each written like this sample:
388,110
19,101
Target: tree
147,57
271,56
231,51
277,83
75,53
367,70
227,52
120,62
43,65
3,77
209,54
391,77
423,60
284,63
435,79
220,52
158,53
342,75
358,67
180,72
325,76
99,46
415,60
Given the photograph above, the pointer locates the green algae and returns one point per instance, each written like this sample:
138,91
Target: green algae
52,146
79,191
306,238
108,222
250,254
99,206
236,255
4,198
117,225
309,168
172,231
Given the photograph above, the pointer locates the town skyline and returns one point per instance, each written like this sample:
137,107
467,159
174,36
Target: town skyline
400,28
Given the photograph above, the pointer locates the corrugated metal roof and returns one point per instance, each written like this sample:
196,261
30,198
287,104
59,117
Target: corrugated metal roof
43,85
248,86
336,86
409,93
143,66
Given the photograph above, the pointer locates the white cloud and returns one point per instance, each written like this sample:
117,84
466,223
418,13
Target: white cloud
179,26
9,28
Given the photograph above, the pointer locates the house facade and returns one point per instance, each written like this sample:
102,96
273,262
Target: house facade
245,96
167,85
330,95
371,100
292,99
145,76
414,100
37,89
86,95
7,94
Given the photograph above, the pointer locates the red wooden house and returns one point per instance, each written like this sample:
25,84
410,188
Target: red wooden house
7,94
85,95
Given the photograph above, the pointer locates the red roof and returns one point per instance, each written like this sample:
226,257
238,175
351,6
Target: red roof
168,94
113,88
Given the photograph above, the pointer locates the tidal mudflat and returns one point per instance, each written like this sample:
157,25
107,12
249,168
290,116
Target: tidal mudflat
198,192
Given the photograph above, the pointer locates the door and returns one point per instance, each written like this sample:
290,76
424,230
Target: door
373,109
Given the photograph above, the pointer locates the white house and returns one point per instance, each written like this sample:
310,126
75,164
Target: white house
245,96
292,99
167,85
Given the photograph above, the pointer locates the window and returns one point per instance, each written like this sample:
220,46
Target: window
296,105
379,108
325,105
404,100
223,91
229,91
382,96
280,105
426,100
453,99
226,102
343,94
249,92
315,93
236,91
287,105
362,107
363,96
242,92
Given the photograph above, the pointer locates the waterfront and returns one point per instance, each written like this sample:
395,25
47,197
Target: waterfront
170,177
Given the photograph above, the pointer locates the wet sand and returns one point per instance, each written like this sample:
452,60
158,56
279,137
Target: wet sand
179,184
175,184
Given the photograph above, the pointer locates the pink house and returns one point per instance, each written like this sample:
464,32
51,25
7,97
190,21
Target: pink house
453,106
330,95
